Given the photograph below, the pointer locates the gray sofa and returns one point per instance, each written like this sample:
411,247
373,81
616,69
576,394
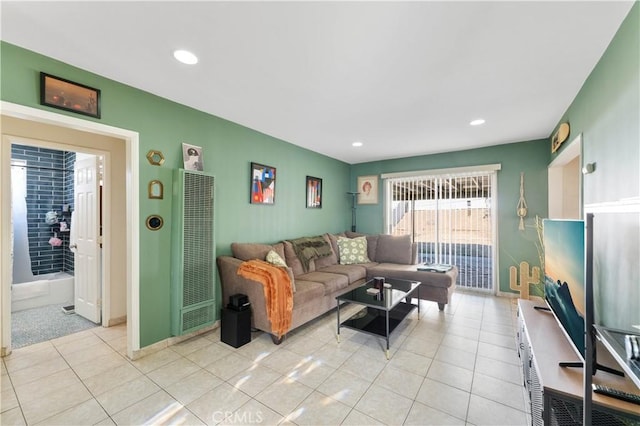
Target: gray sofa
316,288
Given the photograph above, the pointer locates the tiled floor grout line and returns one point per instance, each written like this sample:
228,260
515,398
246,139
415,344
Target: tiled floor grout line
75,374
13,389
94,397
363,346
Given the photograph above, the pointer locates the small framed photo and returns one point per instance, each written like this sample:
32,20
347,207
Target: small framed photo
192,157
63,94
368,189
263,184
314,192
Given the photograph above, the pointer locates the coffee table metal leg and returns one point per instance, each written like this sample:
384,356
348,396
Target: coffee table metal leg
387,316
338,310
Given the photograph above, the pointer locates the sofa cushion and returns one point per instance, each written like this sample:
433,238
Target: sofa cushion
279,248
372,242
353,272
372,246
394,249
351,234
353,250
331,282
333,238
310,248
307,292
249,251
292,259
332,259
410,272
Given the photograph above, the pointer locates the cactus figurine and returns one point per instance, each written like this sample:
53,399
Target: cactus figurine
522,285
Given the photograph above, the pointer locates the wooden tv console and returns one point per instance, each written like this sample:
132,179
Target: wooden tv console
556,392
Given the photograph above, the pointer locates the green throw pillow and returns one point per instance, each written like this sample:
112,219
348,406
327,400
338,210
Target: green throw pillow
353,250
275,259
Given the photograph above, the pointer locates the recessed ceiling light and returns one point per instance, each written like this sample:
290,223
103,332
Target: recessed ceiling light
477,122
185,57
356,144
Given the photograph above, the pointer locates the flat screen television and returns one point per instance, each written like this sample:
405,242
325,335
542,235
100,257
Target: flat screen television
564,277
568,284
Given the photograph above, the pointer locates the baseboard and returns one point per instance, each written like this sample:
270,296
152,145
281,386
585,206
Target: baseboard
116,321
508,294
170,341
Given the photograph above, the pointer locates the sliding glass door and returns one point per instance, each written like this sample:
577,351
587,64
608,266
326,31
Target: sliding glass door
451,216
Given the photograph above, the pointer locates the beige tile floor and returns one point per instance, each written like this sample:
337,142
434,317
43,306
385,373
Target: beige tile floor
454,367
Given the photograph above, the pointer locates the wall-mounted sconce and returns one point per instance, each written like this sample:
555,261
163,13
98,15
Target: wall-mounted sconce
588,168
521,209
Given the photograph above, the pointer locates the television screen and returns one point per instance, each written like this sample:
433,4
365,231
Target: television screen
564,276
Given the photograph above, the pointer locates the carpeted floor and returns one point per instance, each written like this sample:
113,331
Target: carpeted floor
45,323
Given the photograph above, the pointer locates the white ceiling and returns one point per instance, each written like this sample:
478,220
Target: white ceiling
405,78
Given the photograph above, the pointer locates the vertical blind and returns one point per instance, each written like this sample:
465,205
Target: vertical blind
450,216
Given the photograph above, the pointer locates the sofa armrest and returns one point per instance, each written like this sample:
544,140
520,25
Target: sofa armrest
232,283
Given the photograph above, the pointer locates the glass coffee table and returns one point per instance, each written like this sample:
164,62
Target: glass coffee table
384,311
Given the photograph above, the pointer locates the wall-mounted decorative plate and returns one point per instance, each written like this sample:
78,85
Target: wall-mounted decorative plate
559,137
156,158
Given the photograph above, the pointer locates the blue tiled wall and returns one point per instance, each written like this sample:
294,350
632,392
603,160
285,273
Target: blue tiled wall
48,188
69,160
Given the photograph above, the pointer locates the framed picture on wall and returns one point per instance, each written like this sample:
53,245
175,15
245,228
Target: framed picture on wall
314,192
368,189
64,94
263,184
192,157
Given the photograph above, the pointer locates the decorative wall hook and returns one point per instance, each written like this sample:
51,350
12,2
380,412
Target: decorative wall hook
521,209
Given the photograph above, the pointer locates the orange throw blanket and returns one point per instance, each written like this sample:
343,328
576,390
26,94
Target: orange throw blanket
278,293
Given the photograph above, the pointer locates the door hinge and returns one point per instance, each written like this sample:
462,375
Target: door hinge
99,303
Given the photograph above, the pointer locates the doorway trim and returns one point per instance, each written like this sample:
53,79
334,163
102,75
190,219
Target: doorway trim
131,141
562,184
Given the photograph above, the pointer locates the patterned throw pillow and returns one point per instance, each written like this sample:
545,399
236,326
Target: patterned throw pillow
353,250
275,259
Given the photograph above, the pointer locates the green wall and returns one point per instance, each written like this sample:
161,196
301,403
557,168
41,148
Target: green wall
529,157
228,150
607,113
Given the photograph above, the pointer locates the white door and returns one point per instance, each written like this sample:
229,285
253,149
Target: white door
86,236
